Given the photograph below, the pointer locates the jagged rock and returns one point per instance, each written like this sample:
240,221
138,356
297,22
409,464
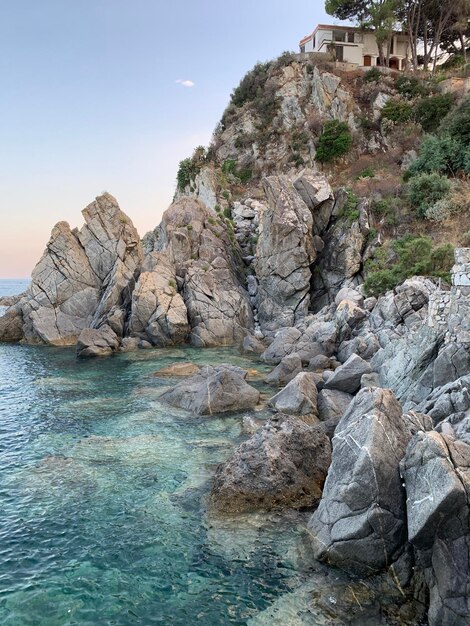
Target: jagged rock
283,373
365,346
332,405
84,278
370,380
97,342
178,370
252,345
284,464
284,343
320,363
350,295
158,312
299,397
213,390
210,265
285,252
416,422
315,191
360,523
11,325
348,376
436,470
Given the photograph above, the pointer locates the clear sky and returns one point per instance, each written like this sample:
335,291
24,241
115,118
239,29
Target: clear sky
98,95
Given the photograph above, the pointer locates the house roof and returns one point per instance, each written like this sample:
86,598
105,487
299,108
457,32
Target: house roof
339,27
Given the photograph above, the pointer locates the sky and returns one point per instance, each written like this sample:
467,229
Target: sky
109,95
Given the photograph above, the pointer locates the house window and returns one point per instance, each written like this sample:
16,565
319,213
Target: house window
339,35
302,48
350,37
313,43
392,42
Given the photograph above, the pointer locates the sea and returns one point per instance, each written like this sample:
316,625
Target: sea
103,498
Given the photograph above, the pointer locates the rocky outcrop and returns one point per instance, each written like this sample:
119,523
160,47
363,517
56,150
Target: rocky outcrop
285,252
209,265
84,279
282,464
436,470
213,390
360,524
11,325
158,311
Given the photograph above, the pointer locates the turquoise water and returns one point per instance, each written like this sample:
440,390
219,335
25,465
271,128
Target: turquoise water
102,494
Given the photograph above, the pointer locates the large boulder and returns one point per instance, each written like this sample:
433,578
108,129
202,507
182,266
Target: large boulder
283,373
213,390
158,312
284,343
315,190
348,376
360,524
436,470
299,397
97,342
285,252
284,464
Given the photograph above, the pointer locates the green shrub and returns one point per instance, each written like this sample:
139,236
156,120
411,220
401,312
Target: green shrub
374,75
368,172
425,190
229,166
429,112
185,173
443,154
245,175
410,87
413,256
397,111
251,84
456,124
334,142
227,212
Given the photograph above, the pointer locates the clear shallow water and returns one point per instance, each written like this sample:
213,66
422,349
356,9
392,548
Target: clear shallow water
102,494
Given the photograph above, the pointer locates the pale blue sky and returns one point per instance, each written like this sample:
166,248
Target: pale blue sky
89,101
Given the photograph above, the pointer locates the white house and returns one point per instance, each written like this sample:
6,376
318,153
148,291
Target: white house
354,45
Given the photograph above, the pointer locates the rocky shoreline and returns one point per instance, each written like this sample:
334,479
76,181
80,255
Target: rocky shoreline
370,421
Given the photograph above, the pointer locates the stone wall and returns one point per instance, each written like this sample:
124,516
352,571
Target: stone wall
449,311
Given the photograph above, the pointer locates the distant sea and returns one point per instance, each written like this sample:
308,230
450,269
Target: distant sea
11,287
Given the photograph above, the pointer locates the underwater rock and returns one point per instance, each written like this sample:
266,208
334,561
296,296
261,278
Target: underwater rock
177,370
213,390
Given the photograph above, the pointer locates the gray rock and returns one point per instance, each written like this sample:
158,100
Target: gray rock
436,471
320,363
11,325
299,397
284,464
315,190
333,404
364,346
348,377
350,295
97,342
360,523
370,380
283,373
252,345
214,390
284,343
158,312
285,253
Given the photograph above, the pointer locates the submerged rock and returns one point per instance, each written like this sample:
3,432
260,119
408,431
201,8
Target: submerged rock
284,464
360,524
178,369
213,390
